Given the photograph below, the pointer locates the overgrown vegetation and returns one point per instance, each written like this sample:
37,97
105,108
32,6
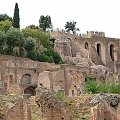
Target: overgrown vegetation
31,42
60,96
92,86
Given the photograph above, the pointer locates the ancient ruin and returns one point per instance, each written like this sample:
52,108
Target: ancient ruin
105,107
86,56
92,52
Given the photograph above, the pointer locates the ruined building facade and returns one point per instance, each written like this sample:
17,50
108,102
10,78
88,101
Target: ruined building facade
103,51
92,55
22,76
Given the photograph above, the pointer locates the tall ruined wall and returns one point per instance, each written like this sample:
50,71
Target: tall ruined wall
18,75
103,50
65,79
51,107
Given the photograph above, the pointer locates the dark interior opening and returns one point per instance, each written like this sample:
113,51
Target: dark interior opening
30,90
99,49
86,45
112,52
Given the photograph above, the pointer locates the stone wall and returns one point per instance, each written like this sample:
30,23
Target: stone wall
105,107
51,107
103,50
13,71
65,79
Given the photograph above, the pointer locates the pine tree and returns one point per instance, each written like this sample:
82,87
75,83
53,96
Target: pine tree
16,19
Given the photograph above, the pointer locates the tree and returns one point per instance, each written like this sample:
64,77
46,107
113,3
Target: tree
45,22
16,19
14,38
71,26
4,17
5,25
42,38
33,27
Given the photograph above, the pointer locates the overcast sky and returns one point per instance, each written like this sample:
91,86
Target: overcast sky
90,15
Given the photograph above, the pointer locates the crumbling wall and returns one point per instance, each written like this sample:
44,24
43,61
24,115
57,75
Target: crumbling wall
51,107
105,107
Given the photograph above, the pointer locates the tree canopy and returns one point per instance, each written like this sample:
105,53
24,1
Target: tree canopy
71,26
14,38
45,22
5,25
4,17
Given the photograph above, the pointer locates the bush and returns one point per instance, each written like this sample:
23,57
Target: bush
92,86
45,58
32,55
14,39
56,57
29,43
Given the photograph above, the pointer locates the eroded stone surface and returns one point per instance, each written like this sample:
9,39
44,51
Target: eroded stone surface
105,107
51,107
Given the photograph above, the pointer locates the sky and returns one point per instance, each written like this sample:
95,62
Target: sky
90,15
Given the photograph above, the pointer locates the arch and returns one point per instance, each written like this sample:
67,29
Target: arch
98,46
86,45
112,51
26,79
101,51
30,90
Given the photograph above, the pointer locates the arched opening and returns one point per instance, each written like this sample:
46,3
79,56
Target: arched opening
30,90
86,45
112,52
119,77
99,49
26,79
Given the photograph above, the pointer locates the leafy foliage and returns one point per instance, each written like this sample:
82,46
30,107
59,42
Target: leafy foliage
2,38
40,36
5,25
16,19
14,38
45,22
56,57
29,43
33,27
32,55
97,87
4,17
71,26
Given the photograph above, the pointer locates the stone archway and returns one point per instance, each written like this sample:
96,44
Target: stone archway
25,79
30,90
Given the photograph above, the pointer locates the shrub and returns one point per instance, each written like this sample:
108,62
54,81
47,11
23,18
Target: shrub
29,43
32,55
45,58
56,57
14,39
92,86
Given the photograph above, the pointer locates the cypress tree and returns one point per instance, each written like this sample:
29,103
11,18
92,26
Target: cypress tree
16,19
